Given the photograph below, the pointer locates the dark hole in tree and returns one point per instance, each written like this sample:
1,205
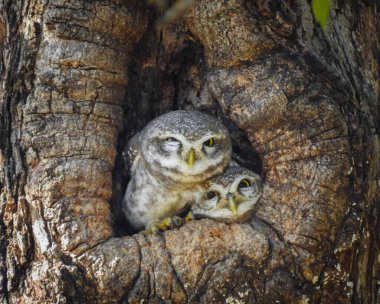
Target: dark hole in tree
155,89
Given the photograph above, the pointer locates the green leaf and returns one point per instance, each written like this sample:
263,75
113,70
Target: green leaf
321,11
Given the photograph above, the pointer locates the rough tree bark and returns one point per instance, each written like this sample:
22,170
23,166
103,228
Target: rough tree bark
303,109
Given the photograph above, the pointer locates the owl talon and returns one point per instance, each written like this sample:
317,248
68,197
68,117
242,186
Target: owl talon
189,217
176,222
157,227
152,230
165,224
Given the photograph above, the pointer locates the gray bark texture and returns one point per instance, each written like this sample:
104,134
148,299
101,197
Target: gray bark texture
79,78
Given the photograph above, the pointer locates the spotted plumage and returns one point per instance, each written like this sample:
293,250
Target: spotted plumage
169,160
229,197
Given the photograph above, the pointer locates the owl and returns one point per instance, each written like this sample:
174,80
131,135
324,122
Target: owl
168,162
229,197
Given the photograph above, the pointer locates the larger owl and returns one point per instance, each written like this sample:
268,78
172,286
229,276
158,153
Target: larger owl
169,160
229,197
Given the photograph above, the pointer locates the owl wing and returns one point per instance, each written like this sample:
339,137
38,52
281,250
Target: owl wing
132,151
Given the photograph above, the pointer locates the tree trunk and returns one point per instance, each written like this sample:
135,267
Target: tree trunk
78,78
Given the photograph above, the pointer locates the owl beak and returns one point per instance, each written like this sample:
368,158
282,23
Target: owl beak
191,158
232,204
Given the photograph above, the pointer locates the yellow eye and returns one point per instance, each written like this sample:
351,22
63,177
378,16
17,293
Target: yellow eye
244,183
209,142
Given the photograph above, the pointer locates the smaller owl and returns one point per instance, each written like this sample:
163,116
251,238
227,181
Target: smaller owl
229,197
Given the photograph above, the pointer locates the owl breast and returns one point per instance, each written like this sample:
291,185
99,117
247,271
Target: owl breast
148,199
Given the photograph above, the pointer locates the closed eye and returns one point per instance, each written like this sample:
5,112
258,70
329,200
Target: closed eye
170,144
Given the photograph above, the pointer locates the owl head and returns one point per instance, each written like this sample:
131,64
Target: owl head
185,146
229,197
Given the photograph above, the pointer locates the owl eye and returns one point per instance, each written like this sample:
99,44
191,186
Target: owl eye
170,144
209,142
211,198
211,195
247,189
245,183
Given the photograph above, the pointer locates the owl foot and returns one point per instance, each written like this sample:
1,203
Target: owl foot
188,217
151,230
176,221
165,224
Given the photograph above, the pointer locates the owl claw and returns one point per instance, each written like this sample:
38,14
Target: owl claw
151,230
176,222
165,224
168,223
189,217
